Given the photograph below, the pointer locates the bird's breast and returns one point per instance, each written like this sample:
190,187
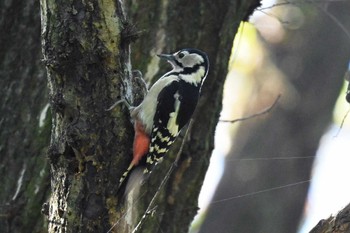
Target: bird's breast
148,106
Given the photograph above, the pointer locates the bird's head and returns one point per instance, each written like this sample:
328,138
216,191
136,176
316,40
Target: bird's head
189,63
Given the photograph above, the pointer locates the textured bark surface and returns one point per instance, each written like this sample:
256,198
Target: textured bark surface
86,51
314,60
335,224
25,119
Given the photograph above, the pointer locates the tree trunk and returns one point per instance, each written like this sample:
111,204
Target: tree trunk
314,61
86,51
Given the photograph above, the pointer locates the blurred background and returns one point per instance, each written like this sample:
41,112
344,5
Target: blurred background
286,169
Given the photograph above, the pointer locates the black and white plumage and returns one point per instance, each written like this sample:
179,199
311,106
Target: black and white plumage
167,107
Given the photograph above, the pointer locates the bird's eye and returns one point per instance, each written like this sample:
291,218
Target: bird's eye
181,55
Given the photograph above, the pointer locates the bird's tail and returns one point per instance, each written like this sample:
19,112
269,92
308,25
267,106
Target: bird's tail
125,175
135,180
132,177
135,175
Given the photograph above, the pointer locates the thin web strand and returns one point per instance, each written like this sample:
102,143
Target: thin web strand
260,191
249,194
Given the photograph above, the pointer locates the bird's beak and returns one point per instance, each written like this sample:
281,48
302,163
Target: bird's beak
168,57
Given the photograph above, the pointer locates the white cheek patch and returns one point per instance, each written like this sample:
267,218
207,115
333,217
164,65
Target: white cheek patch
192,60
194,78
172,126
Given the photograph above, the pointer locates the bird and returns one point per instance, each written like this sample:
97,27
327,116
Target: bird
167,108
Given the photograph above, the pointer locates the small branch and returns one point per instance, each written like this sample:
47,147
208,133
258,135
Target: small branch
267,110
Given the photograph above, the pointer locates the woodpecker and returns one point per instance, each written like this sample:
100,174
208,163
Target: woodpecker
167,108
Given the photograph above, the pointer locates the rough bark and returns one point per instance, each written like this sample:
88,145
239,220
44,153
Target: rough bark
335,224
86,52
314,61
25,119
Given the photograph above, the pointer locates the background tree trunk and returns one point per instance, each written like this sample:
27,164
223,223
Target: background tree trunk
167,26
314,58
25,119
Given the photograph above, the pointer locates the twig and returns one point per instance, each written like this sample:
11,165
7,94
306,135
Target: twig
267,110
